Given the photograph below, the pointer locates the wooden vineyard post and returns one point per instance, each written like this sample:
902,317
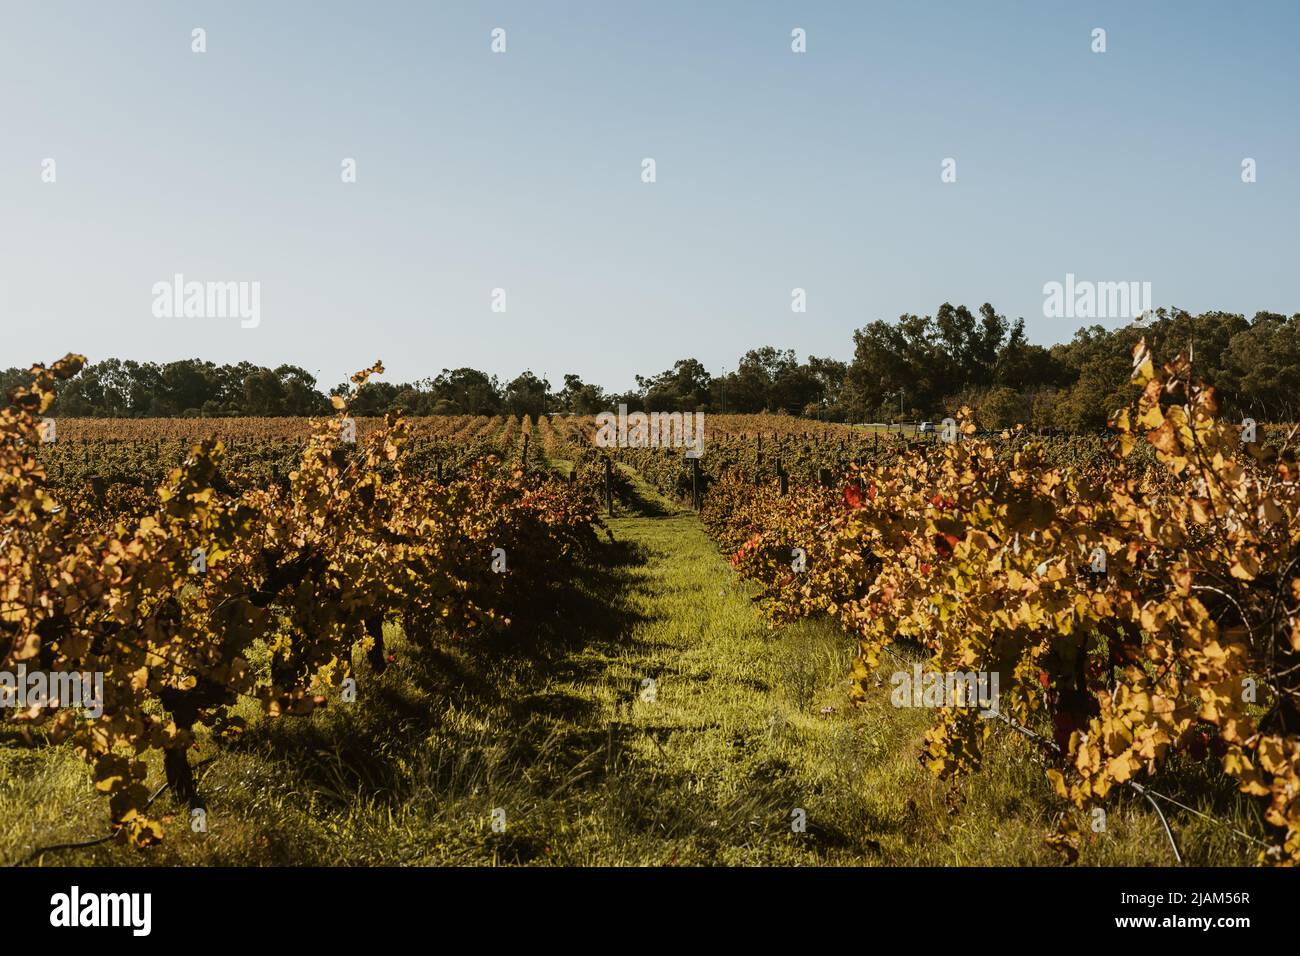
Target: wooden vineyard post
439,471
695,483
609,488
782,477
523,458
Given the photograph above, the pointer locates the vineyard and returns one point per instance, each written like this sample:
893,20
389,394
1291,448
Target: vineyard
643,656
1137,611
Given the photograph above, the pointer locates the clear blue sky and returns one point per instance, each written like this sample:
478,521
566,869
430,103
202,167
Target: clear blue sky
522,171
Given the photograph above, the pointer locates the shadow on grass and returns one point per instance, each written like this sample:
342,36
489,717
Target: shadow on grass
640,499
487,704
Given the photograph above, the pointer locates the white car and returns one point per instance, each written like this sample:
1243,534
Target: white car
925,428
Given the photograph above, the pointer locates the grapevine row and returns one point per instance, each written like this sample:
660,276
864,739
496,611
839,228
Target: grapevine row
1143,602
210,592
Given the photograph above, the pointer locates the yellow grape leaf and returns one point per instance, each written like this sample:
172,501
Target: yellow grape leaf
1245,566
1143,370
1122,766
1272,755
1270,512
112,773
1151,417
1058,782
1165,438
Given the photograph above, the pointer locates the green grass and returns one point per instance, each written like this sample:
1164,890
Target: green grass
747,726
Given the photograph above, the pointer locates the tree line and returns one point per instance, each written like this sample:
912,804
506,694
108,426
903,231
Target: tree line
913,368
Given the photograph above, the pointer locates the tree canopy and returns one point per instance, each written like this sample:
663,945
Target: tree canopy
915,367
